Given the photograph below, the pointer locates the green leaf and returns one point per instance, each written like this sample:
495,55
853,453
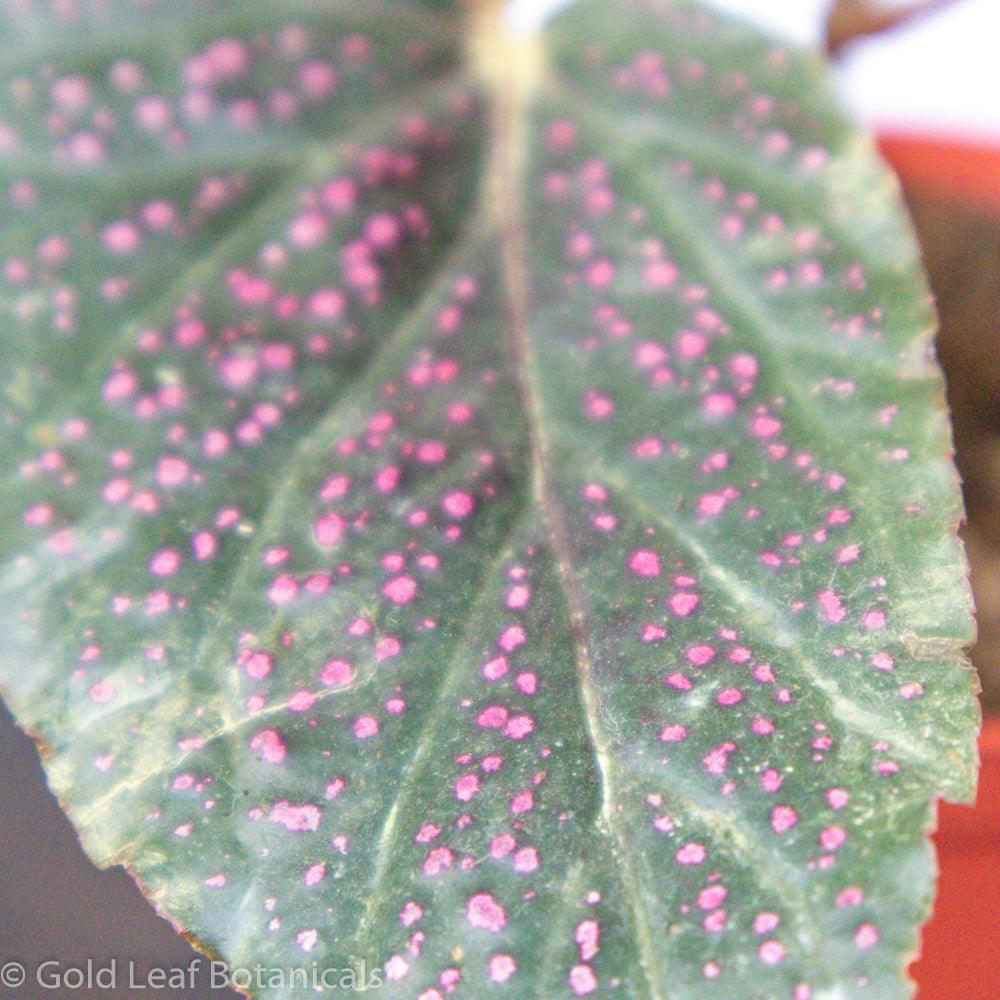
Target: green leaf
475,506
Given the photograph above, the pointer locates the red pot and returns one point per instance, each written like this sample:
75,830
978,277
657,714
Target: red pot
961,944
966,173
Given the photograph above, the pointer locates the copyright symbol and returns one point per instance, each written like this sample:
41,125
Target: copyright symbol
12,975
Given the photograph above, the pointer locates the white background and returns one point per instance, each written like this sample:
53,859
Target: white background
939,74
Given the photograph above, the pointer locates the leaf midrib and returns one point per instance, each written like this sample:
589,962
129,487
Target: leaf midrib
512,101
511,115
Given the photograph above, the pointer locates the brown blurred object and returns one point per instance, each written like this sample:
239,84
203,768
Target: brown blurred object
953,189
850,20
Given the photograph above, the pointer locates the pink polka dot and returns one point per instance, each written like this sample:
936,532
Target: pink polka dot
582,980
699,656
644,563
783,818
832,837
484,912
501,968
690,854
765,426
467,787
165,563
336,673
257,665
400,590
771,952
493,717
365,727
457,504
269,746
494,669
866,936
729,696
329,530
683,604
512,637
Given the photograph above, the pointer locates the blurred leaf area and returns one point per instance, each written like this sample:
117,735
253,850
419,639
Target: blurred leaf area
954,195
